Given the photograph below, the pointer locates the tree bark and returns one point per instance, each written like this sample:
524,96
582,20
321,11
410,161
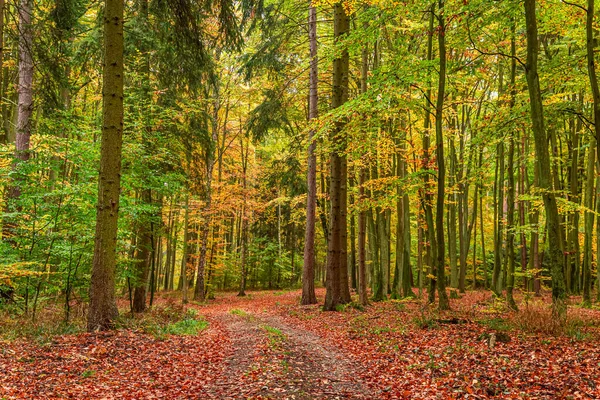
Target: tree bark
543,163
441,189
308,270
589,217
24,111
338,291
142,257
103,308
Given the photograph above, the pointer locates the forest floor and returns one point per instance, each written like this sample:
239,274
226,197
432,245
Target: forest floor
265,345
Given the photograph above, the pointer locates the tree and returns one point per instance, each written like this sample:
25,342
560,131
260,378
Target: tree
24,106
103,308
543,163
308,272
338,291
441,176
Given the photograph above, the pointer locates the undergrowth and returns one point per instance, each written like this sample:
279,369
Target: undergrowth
169,320
161,320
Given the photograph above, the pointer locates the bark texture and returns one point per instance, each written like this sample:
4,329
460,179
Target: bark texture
308,271
338,291
103,307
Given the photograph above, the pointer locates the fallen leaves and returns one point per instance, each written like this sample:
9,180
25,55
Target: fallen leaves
267,346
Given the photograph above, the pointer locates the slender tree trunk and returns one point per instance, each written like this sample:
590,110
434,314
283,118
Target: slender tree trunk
24,111
429,230
522,204
244,219
499,208
589,223
308,270
451,224
142,258
103,307
362,215
362,238
543,162
25,102
589,219
186,250
441,189
510,245
3,132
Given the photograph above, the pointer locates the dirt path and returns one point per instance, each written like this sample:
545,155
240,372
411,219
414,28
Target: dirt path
271,359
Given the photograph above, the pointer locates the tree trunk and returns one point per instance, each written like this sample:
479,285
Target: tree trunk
3,132
441,189
186,250
308,269
338,291
142,257
510,231
25,102
429,230
103,307
24,110
244,218
543,162
499,208
362,237
589,218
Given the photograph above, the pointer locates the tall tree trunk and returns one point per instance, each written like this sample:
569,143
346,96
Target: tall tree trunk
24,110
543,162
451,224
510,231
589,223
103,307
589,218
362,215
439,151
338,291
25,102
522,205
183,276
145,242
244,218
429,230
308,269
362,238
142,257
3,132
499,207
199,291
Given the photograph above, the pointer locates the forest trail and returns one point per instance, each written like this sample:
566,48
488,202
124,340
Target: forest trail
267,346
271,359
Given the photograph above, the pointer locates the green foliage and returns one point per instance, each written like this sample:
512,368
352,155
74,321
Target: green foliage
275,335
188,324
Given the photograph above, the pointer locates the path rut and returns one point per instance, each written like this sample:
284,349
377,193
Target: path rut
273,360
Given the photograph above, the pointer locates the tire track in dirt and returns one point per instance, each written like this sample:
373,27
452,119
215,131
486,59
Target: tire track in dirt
272,360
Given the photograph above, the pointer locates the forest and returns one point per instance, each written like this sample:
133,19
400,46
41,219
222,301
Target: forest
299,199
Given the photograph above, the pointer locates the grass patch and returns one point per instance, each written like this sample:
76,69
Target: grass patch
186,327
349,306
48,324
497,324
276,336
165,321
88,373
302,315
237,311
241,313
